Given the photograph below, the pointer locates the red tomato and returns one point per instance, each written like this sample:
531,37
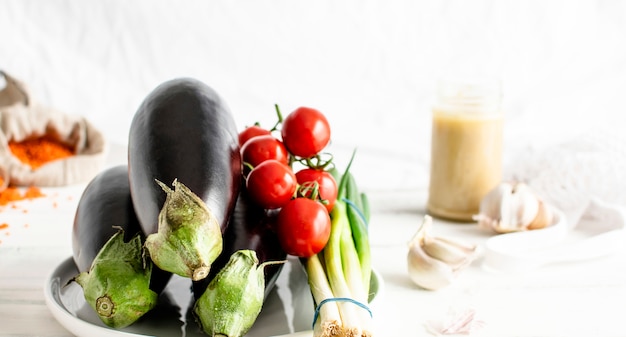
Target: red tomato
305,132
327,186
261,148
251,131
303,227
271,184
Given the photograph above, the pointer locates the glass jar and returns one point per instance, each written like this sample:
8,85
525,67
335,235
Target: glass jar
466,148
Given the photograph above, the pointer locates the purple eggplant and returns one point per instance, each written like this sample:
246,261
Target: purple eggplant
184,135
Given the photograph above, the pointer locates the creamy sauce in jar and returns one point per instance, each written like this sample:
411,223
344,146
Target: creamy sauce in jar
466,153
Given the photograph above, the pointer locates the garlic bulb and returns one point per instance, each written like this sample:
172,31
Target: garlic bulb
434,262
513,207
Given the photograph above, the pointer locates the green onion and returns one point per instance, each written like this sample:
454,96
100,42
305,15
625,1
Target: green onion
336,275
320,289
358,225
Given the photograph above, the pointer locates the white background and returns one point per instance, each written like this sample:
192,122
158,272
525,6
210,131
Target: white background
370,66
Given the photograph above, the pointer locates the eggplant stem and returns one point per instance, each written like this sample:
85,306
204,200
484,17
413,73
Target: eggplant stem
200,273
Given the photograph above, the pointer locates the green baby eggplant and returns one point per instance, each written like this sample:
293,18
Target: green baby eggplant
117,286
233,299
188,238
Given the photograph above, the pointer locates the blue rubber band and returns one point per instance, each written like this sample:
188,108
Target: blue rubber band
356,208
337,299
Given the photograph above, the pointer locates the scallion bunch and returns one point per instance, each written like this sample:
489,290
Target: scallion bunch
339,276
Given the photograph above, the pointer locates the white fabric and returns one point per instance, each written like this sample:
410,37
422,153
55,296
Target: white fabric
570,174
371,66
581,179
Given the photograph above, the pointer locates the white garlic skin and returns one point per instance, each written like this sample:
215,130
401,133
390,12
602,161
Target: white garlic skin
512,207
434,262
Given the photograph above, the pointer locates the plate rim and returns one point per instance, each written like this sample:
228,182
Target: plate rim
79,327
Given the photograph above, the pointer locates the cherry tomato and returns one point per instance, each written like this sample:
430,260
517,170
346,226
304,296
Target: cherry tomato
303,227
305,132
327,186
251,131
261,148
271,184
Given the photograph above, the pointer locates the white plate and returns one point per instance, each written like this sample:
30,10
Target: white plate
559,242
287,309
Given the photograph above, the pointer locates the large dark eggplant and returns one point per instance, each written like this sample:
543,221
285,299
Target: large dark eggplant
184,134
251,227
107,244
104,205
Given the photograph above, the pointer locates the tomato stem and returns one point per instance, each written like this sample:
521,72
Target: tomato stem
317,162
280,119
311,190
247,168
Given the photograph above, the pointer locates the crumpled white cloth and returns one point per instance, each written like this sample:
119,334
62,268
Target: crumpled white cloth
581,177
571,174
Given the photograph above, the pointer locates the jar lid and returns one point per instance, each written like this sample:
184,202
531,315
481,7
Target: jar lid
476,95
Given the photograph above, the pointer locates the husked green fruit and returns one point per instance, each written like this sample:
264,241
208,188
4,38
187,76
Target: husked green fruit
233,300
117,286
189,238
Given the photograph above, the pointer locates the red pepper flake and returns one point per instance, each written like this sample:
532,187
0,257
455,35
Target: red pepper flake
4,226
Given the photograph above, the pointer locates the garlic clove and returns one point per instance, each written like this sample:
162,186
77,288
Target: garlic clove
428,272
434,262
455,254
524,206
544,217
509,207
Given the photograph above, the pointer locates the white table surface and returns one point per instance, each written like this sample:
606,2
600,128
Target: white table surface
570,299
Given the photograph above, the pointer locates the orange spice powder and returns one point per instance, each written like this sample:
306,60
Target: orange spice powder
38,151
11,194
32,193
34,152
